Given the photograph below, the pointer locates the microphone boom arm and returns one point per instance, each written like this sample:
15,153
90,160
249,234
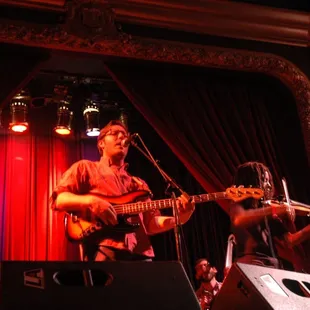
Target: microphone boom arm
149,156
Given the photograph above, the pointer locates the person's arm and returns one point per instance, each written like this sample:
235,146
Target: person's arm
246,218
68,195
293,239
69,202
159,224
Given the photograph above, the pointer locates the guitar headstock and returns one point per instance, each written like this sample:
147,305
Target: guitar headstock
241,193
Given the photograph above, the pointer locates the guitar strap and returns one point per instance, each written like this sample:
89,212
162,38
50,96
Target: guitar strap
141,185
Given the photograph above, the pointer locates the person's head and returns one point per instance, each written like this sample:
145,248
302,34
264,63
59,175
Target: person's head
204,271
255,174
110,138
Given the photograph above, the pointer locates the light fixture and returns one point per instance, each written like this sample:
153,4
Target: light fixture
91,116
64,118
19,110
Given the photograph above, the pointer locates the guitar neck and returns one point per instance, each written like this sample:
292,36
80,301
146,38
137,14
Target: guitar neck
143,206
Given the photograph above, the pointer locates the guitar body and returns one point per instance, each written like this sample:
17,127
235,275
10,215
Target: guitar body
78,229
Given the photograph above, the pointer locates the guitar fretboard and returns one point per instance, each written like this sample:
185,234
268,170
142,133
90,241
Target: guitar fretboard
143,206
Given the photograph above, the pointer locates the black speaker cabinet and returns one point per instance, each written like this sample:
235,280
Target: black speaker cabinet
116,285
254,287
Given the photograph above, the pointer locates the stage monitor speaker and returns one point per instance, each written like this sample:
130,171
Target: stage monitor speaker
116,285
254,287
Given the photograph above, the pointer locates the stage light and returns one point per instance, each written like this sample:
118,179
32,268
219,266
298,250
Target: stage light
19,110
91,116
64,118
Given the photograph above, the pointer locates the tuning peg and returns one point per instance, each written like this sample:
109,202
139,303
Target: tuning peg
241,186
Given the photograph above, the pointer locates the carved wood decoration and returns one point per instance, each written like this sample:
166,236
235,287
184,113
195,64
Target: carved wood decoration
91,20
90,28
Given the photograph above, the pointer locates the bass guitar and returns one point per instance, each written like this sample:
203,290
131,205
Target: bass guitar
130,204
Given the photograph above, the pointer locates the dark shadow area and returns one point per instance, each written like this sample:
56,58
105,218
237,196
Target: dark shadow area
82,277
295,287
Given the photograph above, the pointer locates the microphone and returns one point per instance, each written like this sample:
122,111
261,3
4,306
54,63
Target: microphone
127,141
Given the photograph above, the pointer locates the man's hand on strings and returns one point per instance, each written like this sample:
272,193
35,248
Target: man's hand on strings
103,210
186,207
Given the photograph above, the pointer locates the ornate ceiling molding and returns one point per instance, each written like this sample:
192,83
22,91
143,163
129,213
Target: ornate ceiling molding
121,45
46,5
213,17
219,18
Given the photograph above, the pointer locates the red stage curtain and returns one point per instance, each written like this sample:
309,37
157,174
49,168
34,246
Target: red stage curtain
31,164
30,167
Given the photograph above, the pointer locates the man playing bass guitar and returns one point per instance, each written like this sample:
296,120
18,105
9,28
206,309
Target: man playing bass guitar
84,185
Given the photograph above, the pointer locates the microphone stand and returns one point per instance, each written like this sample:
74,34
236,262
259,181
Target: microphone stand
170,184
